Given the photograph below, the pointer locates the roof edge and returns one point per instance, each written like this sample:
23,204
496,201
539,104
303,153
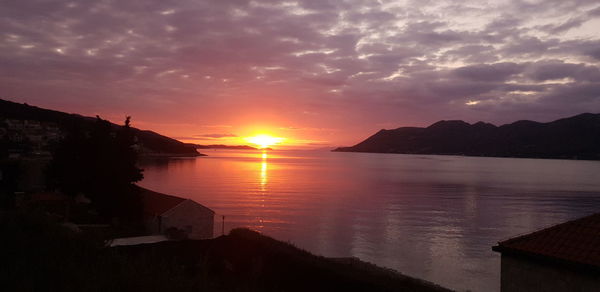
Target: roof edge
185,200
542,258
543,229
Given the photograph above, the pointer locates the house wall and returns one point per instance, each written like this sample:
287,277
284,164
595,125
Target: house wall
192,217
523,274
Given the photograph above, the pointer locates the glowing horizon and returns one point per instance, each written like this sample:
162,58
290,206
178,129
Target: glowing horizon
264,140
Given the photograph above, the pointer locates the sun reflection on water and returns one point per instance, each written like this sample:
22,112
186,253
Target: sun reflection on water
263,172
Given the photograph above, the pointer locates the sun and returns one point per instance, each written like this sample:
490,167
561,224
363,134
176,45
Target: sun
264,140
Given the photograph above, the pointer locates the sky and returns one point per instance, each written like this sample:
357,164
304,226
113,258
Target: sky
319,73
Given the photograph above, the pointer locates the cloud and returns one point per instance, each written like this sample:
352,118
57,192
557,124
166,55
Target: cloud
357,63
556,69
595,53
215,126
216,136
489,72
319,144
207,137
305,129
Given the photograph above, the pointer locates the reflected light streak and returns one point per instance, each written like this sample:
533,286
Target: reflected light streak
263,172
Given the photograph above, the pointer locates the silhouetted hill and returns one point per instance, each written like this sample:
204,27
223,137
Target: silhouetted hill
152,144
577,137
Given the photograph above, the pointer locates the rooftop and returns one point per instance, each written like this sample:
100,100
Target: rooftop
576,241
156,203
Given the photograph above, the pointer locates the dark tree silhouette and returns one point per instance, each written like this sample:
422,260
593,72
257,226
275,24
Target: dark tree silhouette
101,164
9,173
70,158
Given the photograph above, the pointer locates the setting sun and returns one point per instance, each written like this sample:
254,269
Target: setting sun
264,141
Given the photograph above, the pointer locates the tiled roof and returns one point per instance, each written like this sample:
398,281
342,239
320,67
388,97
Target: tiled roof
576,241
157,203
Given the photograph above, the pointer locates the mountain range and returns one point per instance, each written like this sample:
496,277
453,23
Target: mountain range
576,137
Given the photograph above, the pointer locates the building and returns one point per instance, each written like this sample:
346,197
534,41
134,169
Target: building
564,257
165,214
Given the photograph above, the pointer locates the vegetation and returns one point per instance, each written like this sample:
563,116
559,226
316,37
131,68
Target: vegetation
102,165
40,255
8,184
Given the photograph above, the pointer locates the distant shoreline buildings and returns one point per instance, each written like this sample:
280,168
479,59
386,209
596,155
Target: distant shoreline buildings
29,136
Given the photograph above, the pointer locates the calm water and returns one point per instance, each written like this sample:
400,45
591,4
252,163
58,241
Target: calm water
432,217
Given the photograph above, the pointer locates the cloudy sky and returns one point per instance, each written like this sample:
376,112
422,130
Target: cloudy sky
319,72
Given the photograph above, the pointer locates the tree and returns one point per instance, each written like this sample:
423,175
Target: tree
68,161
9,172
102,164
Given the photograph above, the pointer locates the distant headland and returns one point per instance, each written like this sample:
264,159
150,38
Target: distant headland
31,123
576,137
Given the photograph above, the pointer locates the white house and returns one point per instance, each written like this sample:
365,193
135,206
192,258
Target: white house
165,213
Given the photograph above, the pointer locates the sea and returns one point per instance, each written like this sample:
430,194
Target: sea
428,216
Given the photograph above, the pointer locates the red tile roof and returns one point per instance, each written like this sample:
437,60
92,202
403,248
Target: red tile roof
576,241
157,203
